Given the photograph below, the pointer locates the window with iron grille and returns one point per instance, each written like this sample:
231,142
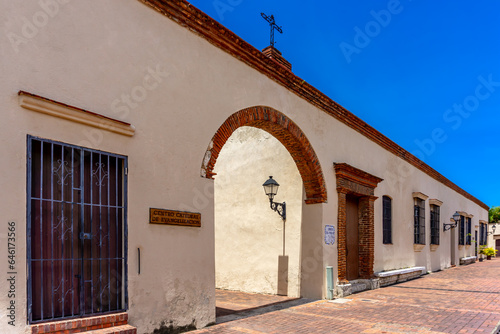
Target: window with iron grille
387,219
468,239
419,221
461,231
435,222
76,231
482,234
485,234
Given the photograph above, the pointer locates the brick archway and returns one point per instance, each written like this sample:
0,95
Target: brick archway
287,132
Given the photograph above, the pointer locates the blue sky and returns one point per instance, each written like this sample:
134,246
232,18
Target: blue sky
424,73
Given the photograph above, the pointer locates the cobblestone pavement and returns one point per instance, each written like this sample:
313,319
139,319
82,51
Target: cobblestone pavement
457,300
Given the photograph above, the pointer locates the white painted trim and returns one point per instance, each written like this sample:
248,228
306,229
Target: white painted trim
400,271
60,110
420,195
418,247
465,214
434,201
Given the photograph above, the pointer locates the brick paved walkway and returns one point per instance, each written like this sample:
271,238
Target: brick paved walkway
458,300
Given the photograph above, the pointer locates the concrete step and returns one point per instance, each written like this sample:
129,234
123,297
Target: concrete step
358,287
124,329
86,325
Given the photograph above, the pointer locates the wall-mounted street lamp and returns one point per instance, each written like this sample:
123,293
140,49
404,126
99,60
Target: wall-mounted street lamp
455,220
493,228
271,189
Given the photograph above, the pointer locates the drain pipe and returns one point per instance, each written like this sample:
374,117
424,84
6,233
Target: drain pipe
329,282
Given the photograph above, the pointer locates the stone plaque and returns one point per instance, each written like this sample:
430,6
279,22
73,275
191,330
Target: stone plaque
172,217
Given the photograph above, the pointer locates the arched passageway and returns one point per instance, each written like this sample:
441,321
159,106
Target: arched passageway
283,129
230,233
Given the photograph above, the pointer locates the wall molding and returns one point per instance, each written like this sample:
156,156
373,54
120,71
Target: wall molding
436,202
420,195
60,110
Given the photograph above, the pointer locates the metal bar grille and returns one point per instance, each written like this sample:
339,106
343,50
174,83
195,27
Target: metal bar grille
419,222
77,233
461,231
387,219
469,231
435,219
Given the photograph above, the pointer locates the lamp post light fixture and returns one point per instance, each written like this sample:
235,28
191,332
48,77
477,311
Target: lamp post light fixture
493,228
455,219
271,189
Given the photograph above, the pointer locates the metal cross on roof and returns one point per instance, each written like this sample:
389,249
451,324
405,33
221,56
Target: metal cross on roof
272,25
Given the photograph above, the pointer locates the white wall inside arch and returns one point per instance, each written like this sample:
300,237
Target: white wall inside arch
248,234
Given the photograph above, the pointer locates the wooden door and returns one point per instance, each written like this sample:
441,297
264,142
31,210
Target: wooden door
352,237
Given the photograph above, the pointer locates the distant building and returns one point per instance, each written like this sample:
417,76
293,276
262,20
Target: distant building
493,236
117,116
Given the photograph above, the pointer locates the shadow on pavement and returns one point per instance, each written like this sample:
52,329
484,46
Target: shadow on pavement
225,315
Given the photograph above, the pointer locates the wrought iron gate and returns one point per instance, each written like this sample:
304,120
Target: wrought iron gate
77,231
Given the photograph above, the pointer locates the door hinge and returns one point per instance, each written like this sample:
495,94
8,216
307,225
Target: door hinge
126,170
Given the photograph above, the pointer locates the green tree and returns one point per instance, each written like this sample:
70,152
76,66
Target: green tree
494,214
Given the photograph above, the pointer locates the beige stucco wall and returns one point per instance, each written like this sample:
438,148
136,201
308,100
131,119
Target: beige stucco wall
90,54
493,237
248,234
96,54
401,253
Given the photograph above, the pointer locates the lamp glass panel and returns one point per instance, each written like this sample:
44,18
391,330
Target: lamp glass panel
271,187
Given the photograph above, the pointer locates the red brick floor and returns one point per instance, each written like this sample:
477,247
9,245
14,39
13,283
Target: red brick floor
458,300
229,302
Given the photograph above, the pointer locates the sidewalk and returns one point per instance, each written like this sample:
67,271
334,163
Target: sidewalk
457,300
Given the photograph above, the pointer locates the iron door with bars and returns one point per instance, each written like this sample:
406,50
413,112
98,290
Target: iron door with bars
77,231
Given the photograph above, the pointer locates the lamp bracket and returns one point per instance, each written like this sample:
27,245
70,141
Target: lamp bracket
447,227
280,208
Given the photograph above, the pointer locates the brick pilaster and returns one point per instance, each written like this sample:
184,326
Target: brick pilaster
342,240
366,236
276,55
